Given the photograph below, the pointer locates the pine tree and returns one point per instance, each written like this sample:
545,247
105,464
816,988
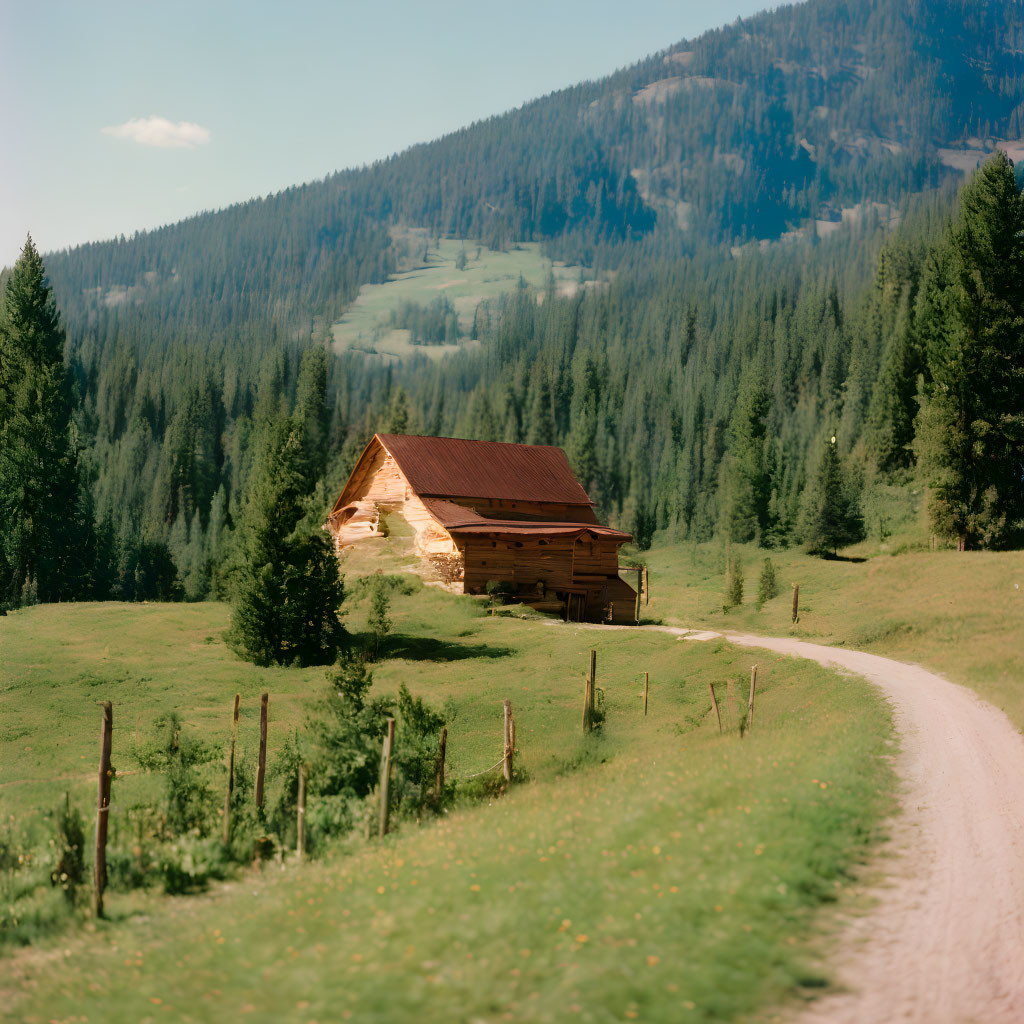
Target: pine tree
45,525
542,422
287,588
312,413
831,516
398,413
748,486
218,536
970,428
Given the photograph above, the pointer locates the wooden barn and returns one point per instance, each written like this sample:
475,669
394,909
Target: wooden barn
483,511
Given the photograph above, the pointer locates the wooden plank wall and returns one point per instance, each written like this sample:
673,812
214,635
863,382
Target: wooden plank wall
528,561
520,562
595,557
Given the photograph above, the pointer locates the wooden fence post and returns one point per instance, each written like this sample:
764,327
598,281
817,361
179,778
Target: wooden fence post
439,779
796,601
639,590
103,807
261,767
588,694
301,823
507,767
714,704
231,771
750,700
647,586
385,777
646,681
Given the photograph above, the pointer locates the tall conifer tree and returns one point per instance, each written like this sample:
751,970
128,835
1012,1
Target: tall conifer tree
288,590
970,428
748,486
831,517
45,526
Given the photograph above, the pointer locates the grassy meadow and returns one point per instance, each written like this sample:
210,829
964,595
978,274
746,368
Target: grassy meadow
654,870
961,614
488,274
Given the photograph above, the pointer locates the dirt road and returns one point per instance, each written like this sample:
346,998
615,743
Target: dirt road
945,944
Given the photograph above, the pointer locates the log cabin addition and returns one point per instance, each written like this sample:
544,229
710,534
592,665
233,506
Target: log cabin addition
485,511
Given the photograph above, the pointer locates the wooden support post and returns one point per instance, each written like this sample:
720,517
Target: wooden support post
639,590
261,767
796,601
103,807
385,777
231,771
588,694
439,778
750,699
714,704
301,822
507,767
647,586
646,681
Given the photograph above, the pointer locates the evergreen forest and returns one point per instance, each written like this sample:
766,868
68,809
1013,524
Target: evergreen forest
794,311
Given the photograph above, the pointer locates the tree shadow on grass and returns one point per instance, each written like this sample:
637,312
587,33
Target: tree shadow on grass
429,648
830,557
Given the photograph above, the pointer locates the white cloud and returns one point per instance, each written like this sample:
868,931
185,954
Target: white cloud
159,132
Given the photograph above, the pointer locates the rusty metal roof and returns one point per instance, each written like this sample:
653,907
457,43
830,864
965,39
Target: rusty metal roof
452,467
457,519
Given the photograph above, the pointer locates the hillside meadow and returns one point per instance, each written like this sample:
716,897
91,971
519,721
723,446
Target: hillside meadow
652,869
960,614
487,276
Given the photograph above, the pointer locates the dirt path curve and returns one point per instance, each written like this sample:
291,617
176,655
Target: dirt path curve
945,944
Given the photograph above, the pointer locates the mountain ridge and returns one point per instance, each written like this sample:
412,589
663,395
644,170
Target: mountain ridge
767,127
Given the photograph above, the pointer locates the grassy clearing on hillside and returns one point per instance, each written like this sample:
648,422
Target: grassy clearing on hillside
655,871
961,614
366,326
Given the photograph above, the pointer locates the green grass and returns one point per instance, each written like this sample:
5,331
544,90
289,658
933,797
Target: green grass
652,871
366,325
961,614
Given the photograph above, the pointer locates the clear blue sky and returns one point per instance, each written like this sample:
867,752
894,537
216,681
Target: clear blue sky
254,96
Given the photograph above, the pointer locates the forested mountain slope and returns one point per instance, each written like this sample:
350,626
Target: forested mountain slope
748,132
756,209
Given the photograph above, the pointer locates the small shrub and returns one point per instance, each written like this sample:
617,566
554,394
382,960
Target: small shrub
416,751
332,816
247,825
128,868
500,592
282,816
406,585
597,713
177,754
733,587
69,871
378,621
190,864
344,730
768,583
